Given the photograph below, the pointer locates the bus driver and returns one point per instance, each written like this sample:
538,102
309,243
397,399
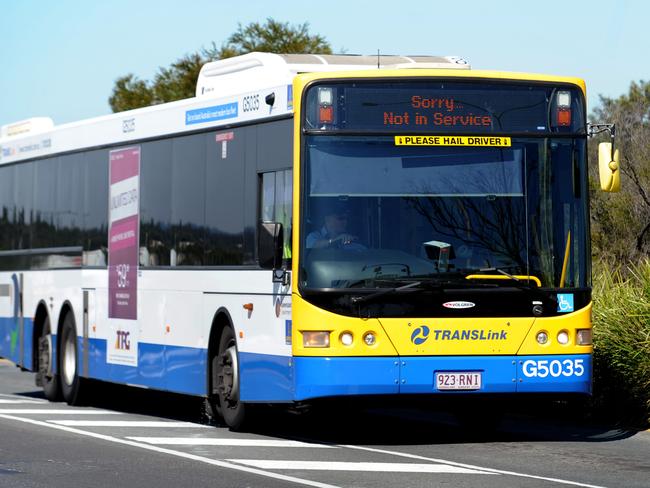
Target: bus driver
333,234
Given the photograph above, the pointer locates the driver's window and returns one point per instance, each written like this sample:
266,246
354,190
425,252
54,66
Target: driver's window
276,202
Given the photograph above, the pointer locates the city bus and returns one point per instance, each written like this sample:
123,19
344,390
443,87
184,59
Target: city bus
307,227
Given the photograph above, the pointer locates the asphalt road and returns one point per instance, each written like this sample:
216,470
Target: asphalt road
130,437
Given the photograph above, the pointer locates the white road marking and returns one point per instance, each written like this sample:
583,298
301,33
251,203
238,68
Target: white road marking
210,441
470,466
193,457
50,411
17,402
354,466
23,399
127,423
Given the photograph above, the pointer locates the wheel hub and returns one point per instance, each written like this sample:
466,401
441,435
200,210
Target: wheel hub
45,355
228,377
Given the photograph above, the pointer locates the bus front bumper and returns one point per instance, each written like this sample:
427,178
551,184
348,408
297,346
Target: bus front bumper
316,377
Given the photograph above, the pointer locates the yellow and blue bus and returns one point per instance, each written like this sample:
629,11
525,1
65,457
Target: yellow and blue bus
307,227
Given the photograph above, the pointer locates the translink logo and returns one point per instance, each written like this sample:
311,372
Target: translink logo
470,335
420,335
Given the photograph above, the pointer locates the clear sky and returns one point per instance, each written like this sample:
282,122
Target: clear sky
59,58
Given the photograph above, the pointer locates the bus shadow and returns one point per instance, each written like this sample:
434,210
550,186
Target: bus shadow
367,421
417,425
137,401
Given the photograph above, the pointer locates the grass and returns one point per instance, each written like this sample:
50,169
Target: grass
622,344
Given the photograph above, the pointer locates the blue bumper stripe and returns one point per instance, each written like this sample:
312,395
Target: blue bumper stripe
265,378
320,377
269,378
173,368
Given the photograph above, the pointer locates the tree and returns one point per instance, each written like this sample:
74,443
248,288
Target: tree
178,81
621,222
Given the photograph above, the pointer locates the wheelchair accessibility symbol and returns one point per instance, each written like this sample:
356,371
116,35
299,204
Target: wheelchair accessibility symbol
565,302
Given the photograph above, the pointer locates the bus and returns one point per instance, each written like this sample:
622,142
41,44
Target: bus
306,227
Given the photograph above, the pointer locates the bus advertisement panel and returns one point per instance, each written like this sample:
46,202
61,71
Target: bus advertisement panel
123,254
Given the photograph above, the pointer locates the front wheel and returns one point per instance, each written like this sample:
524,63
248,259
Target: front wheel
230,407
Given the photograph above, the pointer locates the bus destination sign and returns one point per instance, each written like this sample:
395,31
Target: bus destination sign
449,109
433,107
441,111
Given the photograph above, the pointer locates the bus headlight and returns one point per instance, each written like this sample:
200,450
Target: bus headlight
563,337
584,337
542,337
346,338
315,338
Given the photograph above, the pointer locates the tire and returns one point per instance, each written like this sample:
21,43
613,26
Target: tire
226,374
71,383
50,381
213,404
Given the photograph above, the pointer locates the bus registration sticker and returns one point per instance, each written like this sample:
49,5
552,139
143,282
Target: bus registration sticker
476,141
467,380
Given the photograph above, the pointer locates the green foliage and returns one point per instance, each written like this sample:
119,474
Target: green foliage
621,318
621,222
130,92
178,81
275,37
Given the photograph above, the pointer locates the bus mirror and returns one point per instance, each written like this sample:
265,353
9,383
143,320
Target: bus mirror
269,245
609,168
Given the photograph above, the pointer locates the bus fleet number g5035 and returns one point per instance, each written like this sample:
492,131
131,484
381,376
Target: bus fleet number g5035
555,368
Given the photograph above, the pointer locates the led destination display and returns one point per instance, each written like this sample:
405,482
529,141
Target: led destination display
432,106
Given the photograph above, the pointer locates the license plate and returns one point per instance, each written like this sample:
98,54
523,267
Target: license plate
470,380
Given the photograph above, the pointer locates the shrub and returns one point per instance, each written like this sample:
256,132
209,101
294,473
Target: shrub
622,344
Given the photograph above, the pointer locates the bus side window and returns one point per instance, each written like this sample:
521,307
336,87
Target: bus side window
276,203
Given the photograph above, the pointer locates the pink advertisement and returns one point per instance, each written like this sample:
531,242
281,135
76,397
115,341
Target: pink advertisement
123,233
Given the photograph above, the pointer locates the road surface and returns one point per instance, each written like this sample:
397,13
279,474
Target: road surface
131,437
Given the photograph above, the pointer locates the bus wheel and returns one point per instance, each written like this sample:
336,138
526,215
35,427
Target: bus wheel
48,379
71,383
227,381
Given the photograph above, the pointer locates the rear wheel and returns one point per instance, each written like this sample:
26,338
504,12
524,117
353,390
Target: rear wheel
226,376
47,378
71,383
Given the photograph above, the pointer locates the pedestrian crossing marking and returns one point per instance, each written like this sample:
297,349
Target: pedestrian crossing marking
127,423
50,411
211,441
4,401
356,466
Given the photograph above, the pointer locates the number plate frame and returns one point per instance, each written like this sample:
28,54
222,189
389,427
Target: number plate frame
458,380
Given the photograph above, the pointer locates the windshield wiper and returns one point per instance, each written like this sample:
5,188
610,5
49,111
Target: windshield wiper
499,270
398,289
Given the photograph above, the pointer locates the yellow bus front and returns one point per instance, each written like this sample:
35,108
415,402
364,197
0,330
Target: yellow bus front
440,239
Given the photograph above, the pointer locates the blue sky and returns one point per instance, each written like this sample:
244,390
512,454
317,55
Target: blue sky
60,58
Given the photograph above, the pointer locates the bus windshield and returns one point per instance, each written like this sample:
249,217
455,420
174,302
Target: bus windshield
374,211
